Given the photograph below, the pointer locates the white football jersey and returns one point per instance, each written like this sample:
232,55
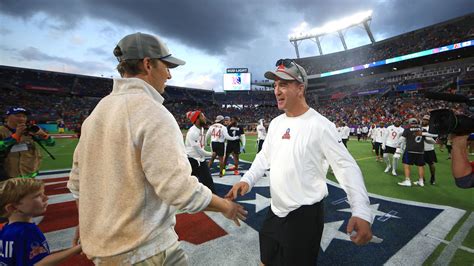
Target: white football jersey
219,133
345,132
365,129
379,134
393,135
261,132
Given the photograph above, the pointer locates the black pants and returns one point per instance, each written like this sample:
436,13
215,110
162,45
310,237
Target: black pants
202,172
294,239
260,144
378,149
344,141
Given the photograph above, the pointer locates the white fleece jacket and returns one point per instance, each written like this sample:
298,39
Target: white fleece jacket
131,173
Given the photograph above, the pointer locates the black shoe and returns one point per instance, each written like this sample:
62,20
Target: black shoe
432,181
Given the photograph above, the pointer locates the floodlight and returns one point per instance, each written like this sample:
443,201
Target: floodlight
332,26
301,33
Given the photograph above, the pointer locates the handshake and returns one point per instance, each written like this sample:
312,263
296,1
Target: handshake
227,206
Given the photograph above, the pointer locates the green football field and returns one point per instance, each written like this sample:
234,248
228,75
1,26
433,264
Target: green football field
444,192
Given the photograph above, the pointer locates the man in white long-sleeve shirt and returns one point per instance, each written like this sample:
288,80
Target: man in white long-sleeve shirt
379,133
345,133
218,134
365,131
194,144
298,145
371,135
261,134
429,153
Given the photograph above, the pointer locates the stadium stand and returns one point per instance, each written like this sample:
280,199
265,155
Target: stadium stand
452,31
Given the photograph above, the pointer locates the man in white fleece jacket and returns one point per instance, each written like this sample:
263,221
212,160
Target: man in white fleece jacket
130,171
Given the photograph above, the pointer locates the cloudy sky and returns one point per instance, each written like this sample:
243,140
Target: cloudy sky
78,36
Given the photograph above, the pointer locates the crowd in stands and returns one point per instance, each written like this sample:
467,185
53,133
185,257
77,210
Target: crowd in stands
362,110
455,31
367,110
50,107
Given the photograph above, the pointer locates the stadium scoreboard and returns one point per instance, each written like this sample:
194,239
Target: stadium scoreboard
237,79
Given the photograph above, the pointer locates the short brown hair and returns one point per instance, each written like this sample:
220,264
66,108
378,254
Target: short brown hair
15,189
133,67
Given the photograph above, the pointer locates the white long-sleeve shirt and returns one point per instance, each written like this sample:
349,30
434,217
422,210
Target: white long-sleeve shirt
392,136
297,151
371,133
219,133
379,133
346,132
429,141
261,132
195,143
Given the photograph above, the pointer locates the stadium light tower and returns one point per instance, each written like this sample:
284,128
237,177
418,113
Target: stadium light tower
358,19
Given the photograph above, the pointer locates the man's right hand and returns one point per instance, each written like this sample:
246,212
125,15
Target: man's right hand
235,212
234,191
20,129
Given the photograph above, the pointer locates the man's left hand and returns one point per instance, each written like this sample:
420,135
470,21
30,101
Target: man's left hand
362,229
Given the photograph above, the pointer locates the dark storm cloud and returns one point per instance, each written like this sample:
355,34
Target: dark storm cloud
218,26
207,25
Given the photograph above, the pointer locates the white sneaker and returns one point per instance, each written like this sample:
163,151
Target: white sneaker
419,183
394,173
406,183
387,169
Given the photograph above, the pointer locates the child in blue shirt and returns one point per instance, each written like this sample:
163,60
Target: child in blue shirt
21,241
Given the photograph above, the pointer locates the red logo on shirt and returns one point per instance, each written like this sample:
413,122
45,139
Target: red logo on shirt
287,134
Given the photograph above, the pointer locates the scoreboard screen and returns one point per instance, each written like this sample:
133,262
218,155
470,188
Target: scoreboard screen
237,81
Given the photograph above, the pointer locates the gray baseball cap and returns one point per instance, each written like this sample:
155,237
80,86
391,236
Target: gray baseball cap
219,118
287,69
140,45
